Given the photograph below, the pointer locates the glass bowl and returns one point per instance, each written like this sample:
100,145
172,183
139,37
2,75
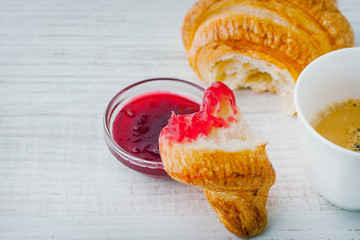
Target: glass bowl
171,85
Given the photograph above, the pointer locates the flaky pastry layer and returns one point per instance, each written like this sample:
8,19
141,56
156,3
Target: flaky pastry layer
236,183
286,34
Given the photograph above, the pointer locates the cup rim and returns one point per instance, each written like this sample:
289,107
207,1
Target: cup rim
134,159
307,70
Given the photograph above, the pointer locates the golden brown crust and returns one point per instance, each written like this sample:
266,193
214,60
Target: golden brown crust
244,214
288,34
236,183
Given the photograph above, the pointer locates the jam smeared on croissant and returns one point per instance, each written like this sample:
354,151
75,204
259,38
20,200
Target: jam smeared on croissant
218,110
216,150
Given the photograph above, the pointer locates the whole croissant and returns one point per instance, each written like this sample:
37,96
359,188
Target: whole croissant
216,150
262,44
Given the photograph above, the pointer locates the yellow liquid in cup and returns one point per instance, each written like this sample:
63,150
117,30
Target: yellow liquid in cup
340,123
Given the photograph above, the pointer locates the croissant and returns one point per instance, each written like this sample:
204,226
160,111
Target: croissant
216,150
262,44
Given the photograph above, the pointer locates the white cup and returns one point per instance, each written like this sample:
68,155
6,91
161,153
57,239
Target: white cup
332,170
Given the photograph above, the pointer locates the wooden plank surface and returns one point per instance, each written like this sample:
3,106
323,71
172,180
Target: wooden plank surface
60,64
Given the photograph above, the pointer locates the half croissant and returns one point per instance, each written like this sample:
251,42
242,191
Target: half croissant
262,45
216,150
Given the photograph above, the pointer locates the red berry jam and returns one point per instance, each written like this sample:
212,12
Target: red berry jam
218,110
137,127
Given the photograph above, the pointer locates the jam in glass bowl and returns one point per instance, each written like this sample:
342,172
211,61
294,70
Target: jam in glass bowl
136,115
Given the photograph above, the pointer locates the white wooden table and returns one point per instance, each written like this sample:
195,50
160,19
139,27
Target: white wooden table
60,64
